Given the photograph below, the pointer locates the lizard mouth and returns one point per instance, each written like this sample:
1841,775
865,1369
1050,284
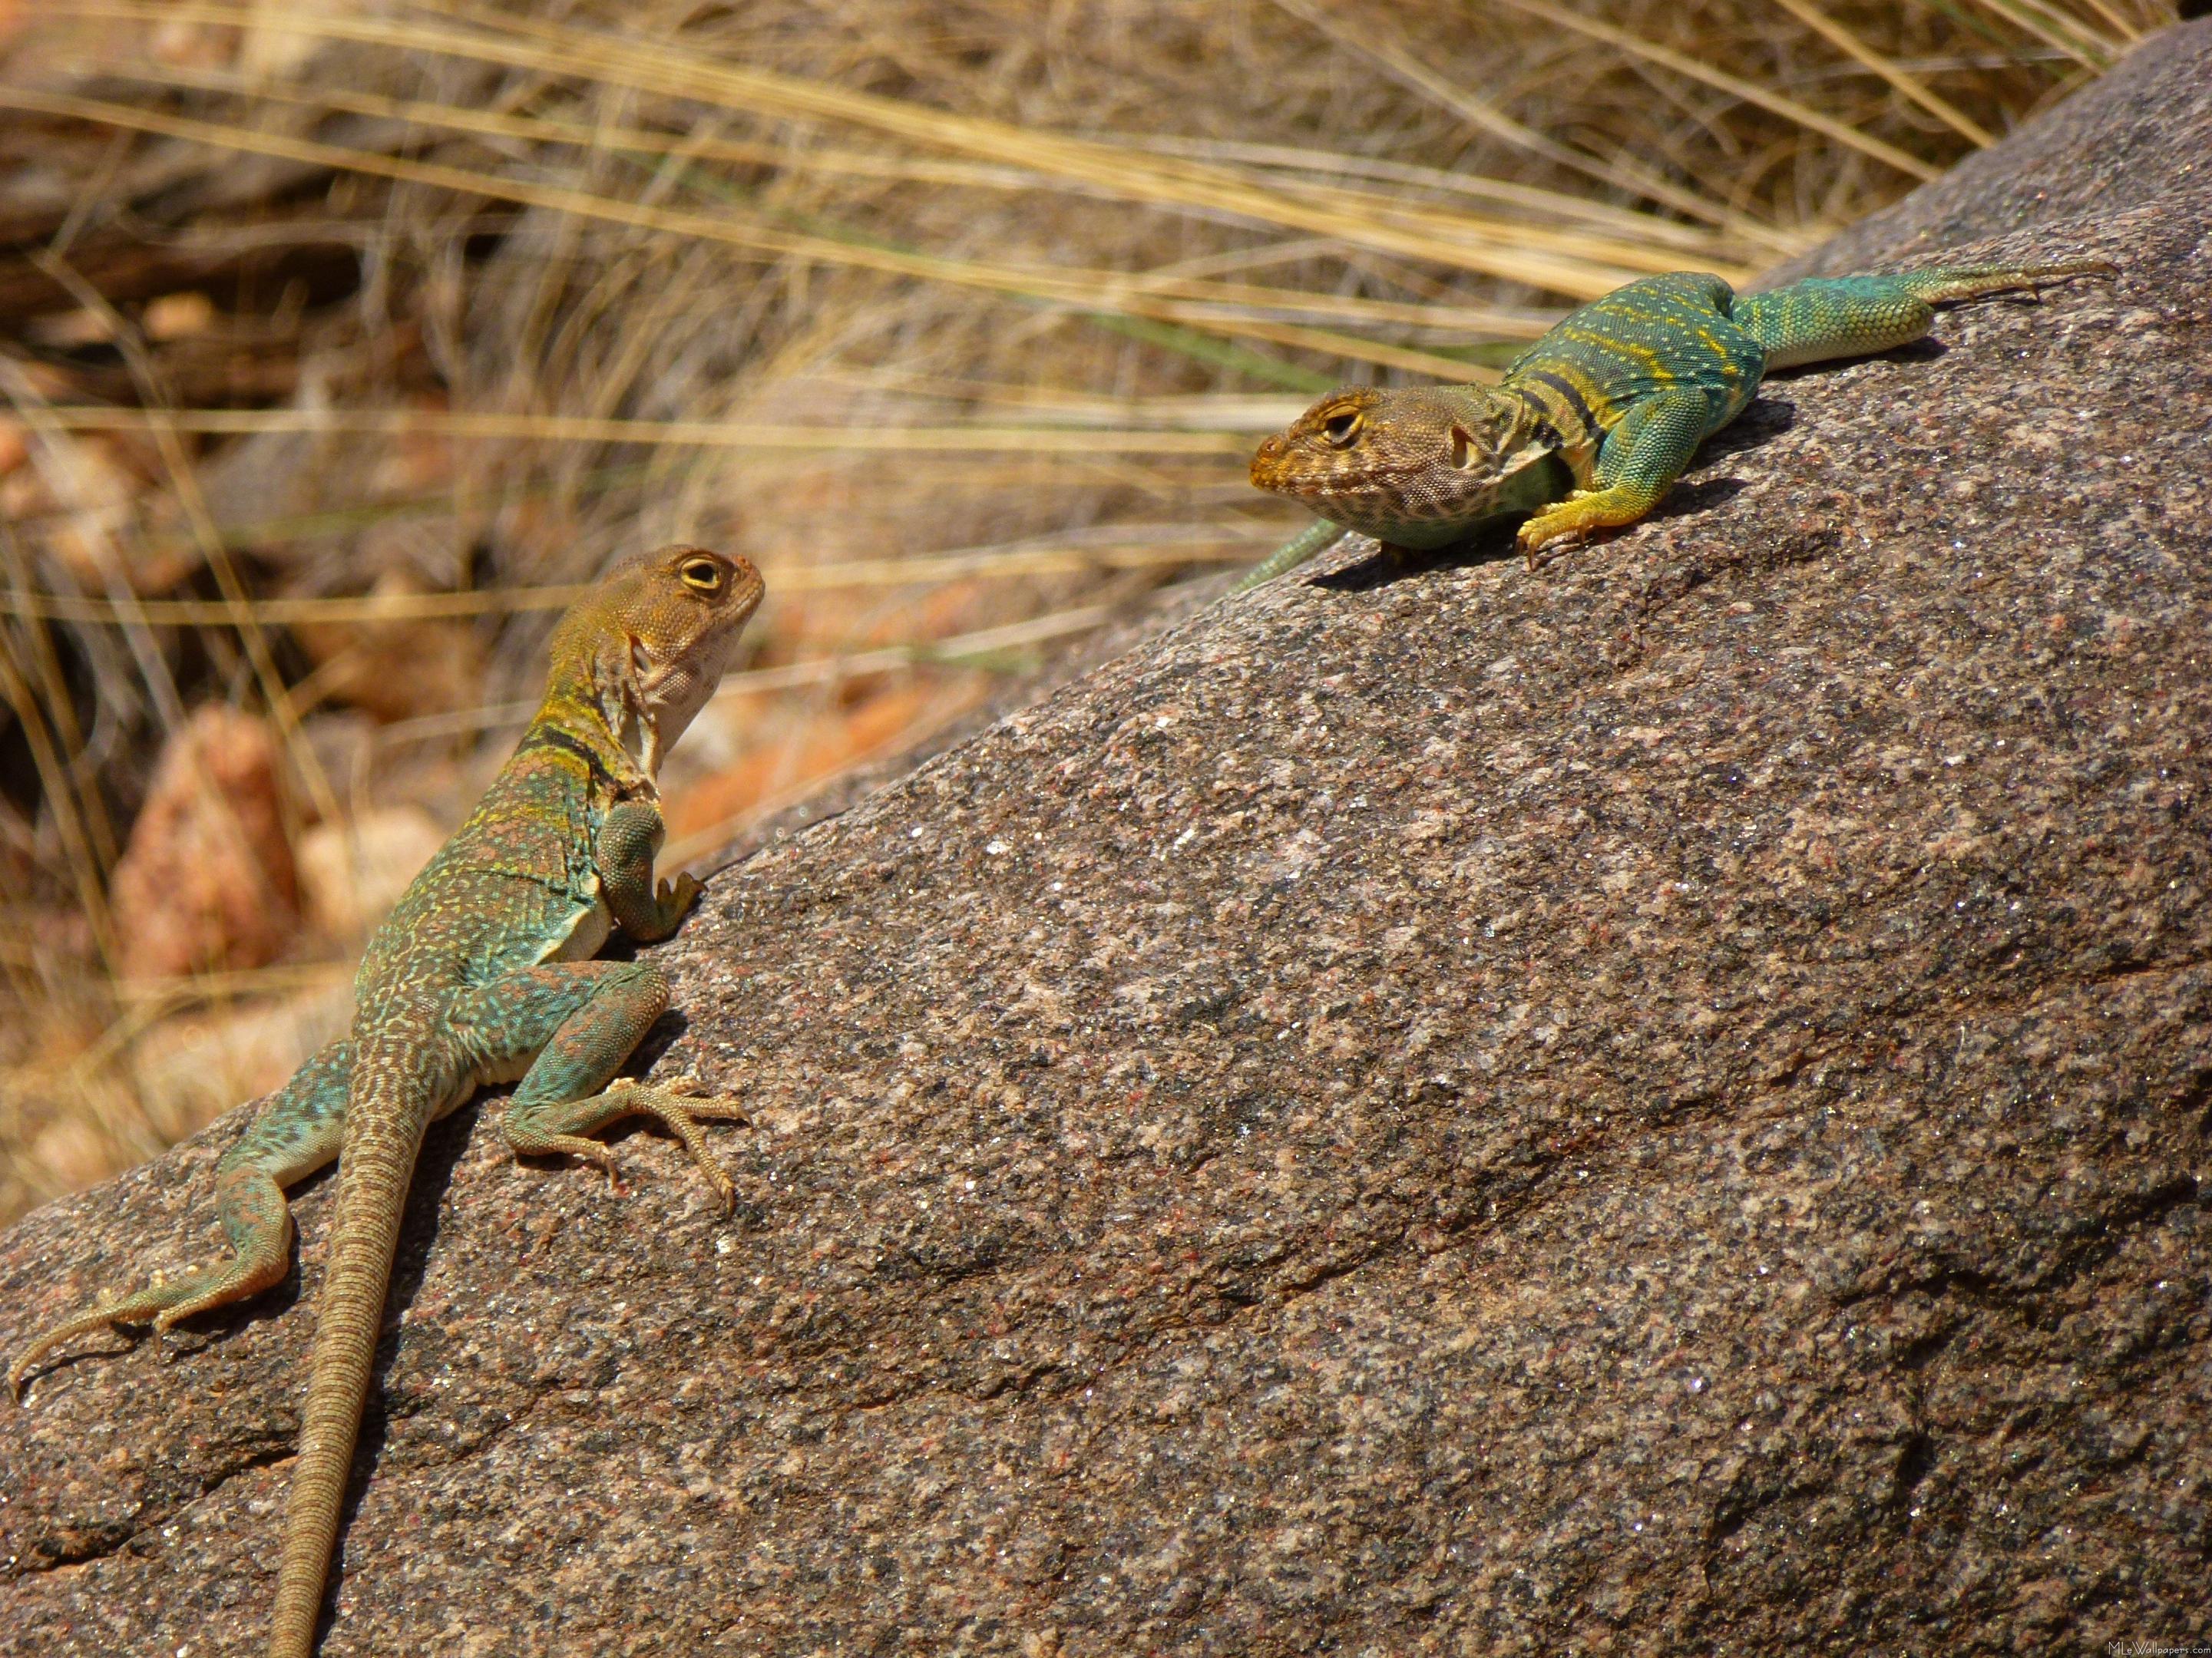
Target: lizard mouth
1280,469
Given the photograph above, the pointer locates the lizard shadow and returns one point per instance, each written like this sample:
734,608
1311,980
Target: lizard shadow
1927,349
1765,420
1387,564
664,1033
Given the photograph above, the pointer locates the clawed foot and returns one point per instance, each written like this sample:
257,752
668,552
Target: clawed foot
678,1104
674,900
697,1100
20,1368
1582,516
1567,521
1534,548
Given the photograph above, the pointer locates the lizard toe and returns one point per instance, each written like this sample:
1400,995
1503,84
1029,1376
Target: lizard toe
699,1101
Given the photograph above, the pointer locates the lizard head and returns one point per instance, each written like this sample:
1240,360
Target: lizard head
652,640
1418,467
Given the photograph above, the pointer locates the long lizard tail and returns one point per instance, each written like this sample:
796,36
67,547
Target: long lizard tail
1944,284
1825,317
395,1087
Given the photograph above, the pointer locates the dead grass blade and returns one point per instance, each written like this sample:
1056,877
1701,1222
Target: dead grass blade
1750,91
1546,206
656,434
1570,261
1231,301
184,485
2054,29
1628,231
1514,249
386,610
1822,24
1397,60
1088,291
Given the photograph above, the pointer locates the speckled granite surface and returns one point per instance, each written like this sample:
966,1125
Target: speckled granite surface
1659,1108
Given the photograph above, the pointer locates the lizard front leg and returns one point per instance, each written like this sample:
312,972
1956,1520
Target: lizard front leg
296,1133
629,841
573,1024
1644,454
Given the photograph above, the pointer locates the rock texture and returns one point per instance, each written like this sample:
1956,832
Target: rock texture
1657,1108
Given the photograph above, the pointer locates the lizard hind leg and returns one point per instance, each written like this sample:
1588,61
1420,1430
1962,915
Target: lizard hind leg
574,1023
296,1133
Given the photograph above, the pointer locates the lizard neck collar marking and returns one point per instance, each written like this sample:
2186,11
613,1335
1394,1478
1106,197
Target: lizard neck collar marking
1576,405
548,736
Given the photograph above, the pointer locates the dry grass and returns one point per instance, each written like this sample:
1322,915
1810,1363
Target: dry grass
339,342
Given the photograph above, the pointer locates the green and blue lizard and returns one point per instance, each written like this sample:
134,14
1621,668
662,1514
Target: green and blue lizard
1592,424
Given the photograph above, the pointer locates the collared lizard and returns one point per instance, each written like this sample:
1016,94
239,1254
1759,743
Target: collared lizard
480,974
1593,422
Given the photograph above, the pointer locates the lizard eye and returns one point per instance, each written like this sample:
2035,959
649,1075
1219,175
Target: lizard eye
701,574
1341,428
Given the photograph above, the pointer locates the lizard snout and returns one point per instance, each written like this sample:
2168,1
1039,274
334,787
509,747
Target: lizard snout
1268,461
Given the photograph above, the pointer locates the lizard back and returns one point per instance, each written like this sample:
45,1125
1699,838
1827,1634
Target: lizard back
1668,333
522,859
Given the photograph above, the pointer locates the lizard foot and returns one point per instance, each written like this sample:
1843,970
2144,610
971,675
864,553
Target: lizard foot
675,901
167,1299
28,1360
1568,520
677,1104
1584,515
574,1146
715,1107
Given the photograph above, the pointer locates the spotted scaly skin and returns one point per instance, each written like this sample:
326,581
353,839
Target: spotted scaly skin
1592,424
480,975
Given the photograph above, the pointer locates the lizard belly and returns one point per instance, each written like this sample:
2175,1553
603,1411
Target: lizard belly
586,930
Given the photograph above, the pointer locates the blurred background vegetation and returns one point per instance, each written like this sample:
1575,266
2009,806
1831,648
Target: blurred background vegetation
338,339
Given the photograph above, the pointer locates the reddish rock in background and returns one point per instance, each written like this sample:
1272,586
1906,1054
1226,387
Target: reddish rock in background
350,873
207,883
